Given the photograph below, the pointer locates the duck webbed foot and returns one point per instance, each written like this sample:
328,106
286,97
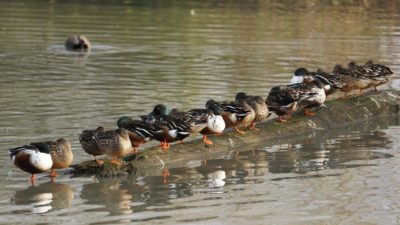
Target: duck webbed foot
98,161
240,131
115,161
253,126
165,146
308,112
53,173
207,141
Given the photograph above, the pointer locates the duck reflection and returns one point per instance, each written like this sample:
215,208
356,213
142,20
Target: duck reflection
45,197
330,152
220,172
110,193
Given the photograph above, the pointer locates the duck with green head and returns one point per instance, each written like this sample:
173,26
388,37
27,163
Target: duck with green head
169,129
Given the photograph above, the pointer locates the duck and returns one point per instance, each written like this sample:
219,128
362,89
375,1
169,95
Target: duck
286,99
89,145
236,114
361,77
377,74
78,43
168,129
33,158
257,103
61,154
351,81
114,143
195,118
330,81
139,131
214,120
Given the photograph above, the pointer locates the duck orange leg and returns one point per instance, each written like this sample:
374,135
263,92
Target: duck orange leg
164,145
98,161
281,119
253,126
240,131
115,161
165,175
135,151
53,173
207,141
308,112
32,179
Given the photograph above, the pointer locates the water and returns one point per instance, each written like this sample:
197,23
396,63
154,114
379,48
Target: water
183,53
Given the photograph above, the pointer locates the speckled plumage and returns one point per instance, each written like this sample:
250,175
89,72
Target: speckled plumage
89,145
61,153
115,143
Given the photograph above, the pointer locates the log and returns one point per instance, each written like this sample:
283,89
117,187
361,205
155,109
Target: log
339,113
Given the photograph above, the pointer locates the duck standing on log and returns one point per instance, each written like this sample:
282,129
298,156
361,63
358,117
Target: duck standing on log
139,131
215,122
89,145
115,143
170,129
257,103
236,114
356,77
330,81
286,99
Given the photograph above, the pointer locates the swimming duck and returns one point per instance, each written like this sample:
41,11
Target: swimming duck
34,158
61,154
169,129
285,99
139,131
78,43
89,145
257,103
115,143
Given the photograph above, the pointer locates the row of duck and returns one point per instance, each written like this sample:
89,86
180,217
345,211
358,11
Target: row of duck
306,90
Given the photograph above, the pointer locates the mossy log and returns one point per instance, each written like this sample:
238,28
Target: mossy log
338,113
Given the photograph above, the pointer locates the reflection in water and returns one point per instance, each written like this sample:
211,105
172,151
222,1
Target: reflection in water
45,197
343,148
110,193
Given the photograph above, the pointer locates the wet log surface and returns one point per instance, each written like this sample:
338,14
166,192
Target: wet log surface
339,113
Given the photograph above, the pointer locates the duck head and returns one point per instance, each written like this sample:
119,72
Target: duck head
240,96
123,121
214,109
43,147
300,76
159,110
